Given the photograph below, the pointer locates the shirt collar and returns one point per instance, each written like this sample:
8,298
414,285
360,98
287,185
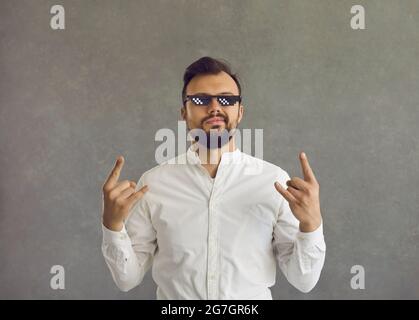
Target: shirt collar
193,158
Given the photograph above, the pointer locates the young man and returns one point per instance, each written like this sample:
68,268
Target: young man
209,227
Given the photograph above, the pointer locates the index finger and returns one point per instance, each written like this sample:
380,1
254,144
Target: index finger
114,175
307,171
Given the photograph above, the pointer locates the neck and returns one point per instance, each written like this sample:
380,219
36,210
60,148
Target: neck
212,157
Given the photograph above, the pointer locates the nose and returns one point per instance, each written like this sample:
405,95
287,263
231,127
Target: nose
214,106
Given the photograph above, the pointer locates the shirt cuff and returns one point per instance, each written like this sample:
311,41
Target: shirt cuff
115,237
312,237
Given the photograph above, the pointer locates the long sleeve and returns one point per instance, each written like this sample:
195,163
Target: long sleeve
300,255
129,253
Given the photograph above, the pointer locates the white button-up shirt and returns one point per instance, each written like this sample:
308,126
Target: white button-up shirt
213,238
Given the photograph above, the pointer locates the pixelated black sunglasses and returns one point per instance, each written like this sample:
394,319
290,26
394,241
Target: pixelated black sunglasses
204,100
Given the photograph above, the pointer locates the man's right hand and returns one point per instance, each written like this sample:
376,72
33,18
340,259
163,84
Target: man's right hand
119,198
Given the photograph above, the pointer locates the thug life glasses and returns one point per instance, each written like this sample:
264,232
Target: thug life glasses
204,100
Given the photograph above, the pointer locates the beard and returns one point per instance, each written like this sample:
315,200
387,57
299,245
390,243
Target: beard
214,138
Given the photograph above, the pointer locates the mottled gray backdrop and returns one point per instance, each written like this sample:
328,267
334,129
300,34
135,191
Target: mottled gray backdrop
72,100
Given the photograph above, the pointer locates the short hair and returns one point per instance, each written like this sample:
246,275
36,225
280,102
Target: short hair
207,65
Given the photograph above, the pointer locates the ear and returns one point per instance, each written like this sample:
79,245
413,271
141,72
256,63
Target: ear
183,112
241,111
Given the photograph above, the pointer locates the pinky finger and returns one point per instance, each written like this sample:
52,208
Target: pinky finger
137,195
285,193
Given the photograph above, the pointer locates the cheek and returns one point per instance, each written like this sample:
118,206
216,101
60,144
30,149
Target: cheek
195,115
233,115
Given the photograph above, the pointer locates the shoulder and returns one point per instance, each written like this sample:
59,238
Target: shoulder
265,167
165,168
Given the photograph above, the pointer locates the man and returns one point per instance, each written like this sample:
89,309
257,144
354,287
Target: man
209,227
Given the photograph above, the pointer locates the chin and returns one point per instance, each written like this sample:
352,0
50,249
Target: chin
215,126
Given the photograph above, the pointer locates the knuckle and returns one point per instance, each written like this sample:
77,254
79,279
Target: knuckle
112,195
119,202
125,183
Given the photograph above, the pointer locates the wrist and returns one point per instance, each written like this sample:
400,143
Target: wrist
309,226
113,225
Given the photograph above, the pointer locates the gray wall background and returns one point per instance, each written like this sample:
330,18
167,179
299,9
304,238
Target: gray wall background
72,100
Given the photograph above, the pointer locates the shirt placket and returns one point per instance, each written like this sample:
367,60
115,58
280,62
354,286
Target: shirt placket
212,263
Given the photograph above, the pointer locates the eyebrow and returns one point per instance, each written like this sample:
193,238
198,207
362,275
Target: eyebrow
206,93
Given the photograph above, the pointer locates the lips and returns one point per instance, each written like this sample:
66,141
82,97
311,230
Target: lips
215,120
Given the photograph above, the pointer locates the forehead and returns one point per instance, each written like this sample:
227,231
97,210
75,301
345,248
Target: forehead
212,84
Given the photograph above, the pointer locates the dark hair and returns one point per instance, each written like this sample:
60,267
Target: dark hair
207,65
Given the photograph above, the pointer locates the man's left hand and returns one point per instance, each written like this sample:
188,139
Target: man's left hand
303,197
